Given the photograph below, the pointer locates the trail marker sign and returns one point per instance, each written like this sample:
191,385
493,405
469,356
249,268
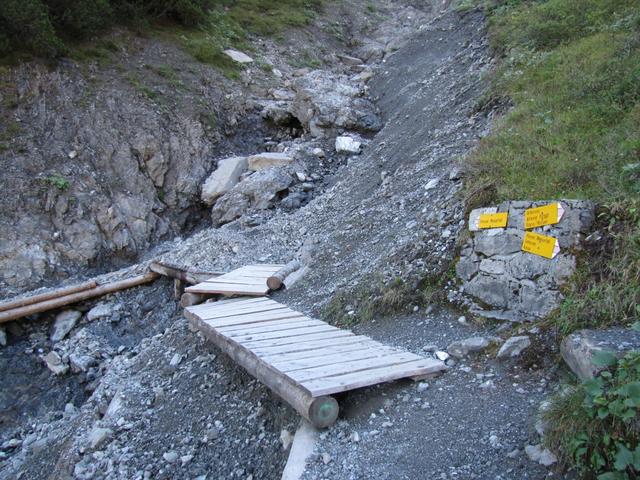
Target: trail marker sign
542,245
493,220
545,215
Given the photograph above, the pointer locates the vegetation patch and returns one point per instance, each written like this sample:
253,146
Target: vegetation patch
594,425
58,181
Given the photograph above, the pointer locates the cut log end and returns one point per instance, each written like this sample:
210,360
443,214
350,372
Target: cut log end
323,411
275,281
189,299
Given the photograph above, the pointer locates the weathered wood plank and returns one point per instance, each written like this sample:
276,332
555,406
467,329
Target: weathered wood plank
320,351
355,366
242,320
334,334
270,326
228,288
350,381
308,345
327,358
288,333
240,311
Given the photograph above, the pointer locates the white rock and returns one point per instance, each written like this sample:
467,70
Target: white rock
422,386
223,178
65,321
186,459
268,159
541,455
326,458
347,145
238,56
175,360
72,154
99,311
513,347
98,436
355,437
431,184
286,438
318,152
440,355
462,320
301,176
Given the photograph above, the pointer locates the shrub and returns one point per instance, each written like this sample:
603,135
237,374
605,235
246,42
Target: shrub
594,426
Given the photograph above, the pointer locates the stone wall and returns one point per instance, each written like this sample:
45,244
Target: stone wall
501,281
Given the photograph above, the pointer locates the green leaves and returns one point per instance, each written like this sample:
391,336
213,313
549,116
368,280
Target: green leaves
604,358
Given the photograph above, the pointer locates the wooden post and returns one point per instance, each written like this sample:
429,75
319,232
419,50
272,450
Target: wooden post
322,411
274,282
61,292
77,297
178,288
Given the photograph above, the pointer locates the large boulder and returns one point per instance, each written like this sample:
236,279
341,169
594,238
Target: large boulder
223,178
257,192
501,281
579,348
326,102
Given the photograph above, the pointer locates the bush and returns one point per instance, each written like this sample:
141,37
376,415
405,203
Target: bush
594,426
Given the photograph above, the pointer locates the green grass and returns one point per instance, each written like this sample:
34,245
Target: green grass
571,70
58,181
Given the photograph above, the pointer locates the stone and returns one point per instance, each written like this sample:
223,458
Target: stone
579,348
513,347
432,184
80,363
462,348
326,458
223,178
349,60
63,324
54,363
98,436
286,438
101,310
503,243
238,56
543,456
3,337
171,456
268,159
442,356
318,152
346,144
175,360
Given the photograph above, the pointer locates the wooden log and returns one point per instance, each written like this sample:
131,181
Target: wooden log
294,277
274,282
190,276
178,288
77,297
61,292
189,299
321,411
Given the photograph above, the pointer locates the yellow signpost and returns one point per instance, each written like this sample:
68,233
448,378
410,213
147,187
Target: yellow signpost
493,220
540,245
540,216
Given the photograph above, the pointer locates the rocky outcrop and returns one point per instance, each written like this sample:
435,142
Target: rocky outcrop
256,192
579,348
326,102
501,281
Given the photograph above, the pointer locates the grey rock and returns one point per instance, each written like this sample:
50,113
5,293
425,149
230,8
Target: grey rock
224,178
238,56
505,242
171,456
101,310
63,324
537,453
98,436
81,363
579,348
3,337
513,347
55,364
470,345
267,160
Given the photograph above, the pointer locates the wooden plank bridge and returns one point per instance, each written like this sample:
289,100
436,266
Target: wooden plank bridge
302,359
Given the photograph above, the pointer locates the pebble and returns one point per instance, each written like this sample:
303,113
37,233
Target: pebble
171,456
326,458
422,386
543,456
443,356
175,360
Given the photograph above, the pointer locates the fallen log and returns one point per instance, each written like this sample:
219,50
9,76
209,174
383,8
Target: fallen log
321,411
275,281
190,299
77,297
190,276
294,277
61,292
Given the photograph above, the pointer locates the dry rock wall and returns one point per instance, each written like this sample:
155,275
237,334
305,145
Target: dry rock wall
501,281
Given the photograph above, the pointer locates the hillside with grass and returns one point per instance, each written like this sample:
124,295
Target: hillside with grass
569,75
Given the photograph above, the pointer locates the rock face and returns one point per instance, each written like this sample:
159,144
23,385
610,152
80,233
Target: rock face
267,160
326,102
223,178
509,284
579,348
255,192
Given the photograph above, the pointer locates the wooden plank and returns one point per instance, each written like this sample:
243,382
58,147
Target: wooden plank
265,351
208,315
235,281
350,381
243,320
231,303
228,288
295,340
323,358
270,325
321,351
330,371
292,333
